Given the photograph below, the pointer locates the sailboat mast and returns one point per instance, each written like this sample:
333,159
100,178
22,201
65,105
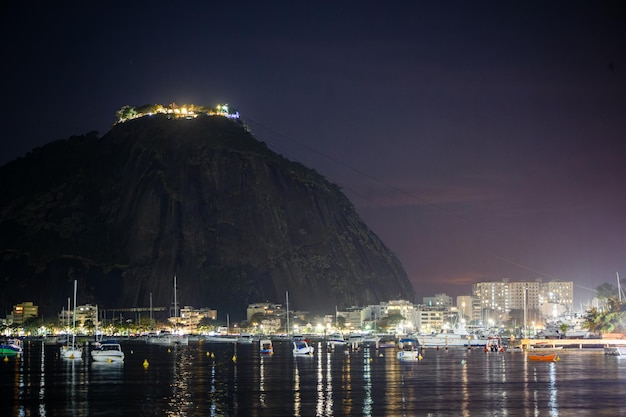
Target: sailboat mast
74,316
619,288
287,303
175,298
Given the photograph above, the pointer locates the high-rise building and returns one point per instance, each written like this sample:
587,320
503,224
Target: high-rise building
499,298
24,311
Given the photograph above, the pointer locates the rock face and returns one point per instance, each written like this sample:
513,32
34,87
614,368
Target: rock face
200,199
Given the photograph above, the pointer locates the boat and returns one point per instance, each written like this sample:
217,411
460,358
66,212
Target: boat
549,357
245,338
410,350
615,350
166,338
220,339
11,347
334,340
107,351
266,347
302,348
494,344
71,350
457,336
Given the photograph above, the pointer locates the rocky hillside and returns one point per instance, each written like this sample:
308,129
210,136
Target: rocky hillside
202,199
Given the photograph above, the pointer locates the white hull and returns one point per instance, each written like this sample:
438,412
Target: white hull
615,350
412,355
220,339
107,352
168,340
107,357
409,350
69,352
440,340
245,339
302,349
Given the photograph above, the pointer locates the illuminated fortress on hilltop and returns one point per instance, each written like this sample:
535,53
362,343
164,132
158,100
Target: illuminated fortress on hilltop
187,111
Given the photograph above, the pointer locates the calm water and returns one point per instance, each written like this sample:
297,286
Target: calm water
187,381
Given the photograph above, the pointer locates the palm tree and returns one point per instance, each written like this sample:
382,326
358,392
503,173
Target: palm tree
608,320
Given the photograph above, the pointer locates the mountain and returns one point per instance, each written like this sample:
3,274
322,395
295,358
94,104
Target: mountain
201,199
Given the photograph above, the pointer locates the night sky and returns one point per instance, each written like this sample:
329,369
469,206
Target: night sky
479,140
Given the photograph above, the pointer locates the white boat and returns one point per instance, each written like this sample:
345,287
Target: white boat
302,348
266,347
107,351
615,350
220,339
410,350
167,339
71,350
336,339
456,337
245,338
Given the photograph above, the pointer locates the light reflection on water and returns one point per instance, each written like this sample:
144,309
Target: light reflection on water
189,381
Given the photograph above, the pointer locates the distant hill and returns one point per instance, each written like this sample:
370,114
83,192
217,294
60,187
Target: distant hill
202,199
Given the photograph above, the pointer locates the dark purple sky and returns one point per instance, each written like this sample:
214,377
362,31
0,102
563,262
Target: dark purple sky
479,140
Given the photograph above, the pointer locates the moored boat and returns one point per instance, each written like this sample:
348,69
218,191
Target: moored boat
245,338
302,348
107,351
615,350
167,339
72,350
551,357
266,347
410,350
335,340
11,347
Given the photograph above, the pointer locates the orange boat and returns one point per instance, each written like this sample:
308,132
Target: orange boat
552,357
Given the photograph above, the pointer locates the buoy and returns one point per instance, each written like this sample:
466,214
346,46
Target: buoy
234,358
419,357
558,358
131,352
145,363
110,360
380,355
169,350
212,355
462,362
6,359
371,359
208,353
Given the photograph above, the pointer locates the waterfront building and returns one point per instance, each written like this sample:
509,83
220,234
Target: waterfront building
353,317
190,317
430,319
439,300
559,293
538,299
22,312
266,309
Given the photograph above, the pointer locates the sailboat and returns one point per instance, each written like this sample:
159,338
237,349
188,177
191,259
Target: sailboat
71,350
167,338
